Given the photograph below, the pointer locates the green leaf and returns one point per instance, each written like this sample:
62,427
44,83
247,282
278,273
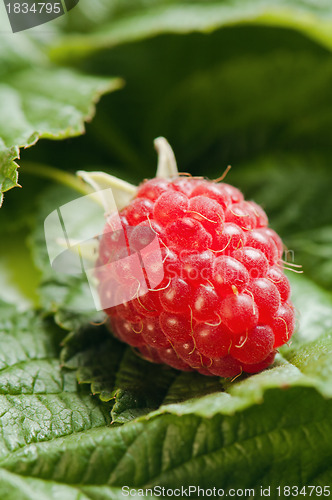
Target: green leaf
40,101
115,372
284,105
14,486
175,450
96,356
313,249
112,25
38,400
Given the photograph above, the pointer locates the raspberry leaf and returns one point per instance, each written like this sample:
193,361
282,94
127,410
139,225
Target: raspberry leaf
39,100
189,449
14,486
133,22
182,93
114,372
39,402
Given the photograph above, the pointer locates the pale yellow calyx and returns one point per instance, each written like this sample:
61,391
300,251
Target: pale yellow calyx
167,167
122,191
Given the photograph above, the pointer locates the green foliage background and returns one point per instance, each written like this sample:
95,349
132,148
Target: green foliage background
246,83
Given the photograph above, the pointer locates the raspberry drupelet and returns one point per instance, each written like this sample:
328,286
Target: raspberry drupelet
223,303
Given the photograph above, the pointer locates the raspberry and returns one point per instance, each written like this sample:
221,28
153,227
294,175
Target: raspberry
212,341
254,346
227,238
170,206
215,297
228,275
239,312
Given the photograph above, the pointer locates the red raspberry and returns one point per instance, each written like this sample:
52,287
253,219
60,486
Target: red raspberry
215,297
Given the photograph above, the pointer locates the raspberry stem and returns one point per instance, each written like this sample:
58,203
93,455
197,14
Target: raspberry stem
57,175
